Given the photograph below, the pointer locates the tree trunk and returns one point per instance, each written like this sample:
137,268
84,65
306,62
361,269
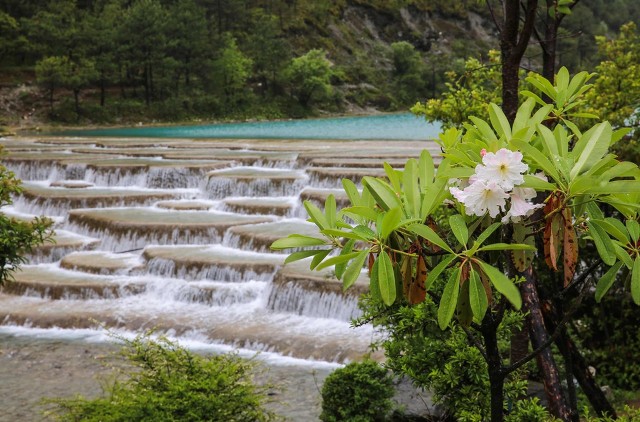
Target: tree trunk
538,334
76,95
494,364
580,368
549,44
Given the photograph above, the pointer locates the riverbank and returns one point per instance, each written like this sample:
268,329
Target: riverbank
34,368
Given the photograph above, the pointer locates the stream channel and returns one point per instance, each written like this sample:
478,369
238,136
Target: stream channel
169,229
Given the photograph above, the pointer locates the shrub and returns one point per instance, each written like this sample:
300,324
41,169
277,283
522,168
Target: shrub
359,392
169,383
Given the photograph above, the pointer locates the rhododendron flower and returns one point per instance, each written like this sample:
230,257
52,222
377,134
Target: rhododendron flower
520,205
482,196
504,168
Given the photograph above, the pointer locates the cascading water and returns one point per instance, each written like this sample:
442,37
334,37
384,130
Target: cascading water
196,220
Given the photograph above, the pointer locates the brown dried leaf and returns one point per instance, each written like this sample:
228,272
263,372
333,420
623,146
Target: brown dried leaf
570,247
417,291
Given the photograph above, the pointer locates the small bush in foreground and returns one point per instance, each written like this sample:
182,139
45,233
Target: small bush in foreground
359,392
169,383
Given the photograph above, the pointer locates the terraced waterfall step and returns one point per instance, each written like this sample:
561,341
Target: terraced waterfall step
123,229
259,237
213,262
254,181
174,235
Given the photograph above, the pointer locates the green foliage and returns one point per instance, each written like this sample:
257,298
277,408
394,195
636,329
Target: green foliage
358,392
616,92
409,72
309,77
629,414
169,383
17,237
233,68
467,94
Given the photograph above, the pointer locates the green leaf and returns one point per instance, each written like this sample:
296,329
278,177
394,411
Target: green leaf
428,233
616,228
393,176
383,193
437,270
411,188
591,147
485,130
548,140
317,259
499,121
459,229
477,296
531,181
366,212
339,233
336,260
296,256
449,300
297,241
634,229
339,269
330,210
390,222
603,242
508,247
503,284
317,217
386,279
616,186
364,232
606,281
374,284
635,281
623,256
354,269
426,170
351,191
484,236
538,158
433,197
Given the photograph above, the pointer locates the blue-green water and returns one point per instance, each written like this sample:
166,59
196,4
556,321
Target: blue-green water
387,126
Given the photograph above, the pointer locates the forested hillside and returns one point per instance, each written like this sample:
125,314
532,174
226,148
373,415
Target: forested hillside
106,61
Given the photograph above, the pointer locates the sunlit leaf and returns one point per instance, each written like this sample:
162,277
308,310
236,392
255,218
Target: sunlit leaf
390,222
317,216
383,193
352,192
437,270
411,188
337,259
340,267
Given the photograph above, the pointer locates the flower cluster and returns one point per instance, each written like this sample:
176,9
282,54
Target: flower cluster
495,182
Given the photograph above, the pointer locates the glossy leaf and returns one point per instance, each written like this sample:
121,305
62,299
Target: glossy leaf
437,270
316,216
411,188
603,242
317,259
297,241
361,211
499,121
354,269
635,281
296,256
336,260
426,170
591,147
477,296
503,284
508,247
383,193
352,192
330,210
428,233
390,222
449,300
340,267
606,281
459,228
386,279
634,229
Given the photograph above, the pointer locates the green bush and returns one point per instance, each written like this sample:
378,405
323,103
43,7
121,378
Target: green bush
169,383
359,392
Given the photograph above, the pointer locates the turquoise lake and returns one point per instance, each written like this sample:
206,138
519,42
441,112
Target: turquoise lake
403,126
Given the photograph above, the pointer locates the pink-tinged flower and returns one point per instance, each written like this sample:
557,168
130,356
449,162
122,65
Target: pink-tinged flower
483,152
481,197
504,168
521,205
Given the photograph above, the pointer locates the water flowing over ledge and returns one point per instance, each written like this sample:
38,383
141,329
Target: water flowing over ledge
174,235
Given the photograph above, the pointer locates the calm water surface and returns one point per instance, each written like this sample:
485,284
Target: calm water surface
403,126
